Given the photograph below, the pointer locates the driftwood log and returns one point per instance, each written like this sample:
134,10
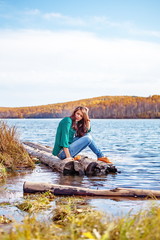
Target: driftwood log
85,166
33,187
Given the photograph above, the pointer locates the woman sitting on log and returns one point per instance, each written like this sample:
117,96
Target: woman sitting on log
73,136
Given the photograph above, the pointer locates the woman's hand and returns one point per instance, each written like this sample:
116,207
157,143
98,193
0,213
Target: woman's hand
69,158
85,114
87,110
67,153
86,118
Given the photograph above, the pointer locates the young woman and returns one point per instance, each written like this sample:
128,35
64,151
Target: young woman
73,136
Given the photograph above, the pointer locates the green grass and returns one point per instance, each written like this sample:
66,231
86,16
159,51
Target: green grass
73,219
36,203
4,220
12,153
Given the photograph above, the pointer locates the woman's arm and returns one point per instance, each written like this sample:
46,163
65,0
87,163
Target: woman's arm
64,140
67,153
86,118
88,124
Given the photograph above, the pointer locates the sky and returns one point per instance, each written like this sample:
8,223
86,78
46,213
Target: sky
64,50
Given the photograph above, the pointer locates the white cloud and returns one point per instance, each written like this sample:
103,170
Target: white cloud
64,19
102,20
40,67
149,33
33,12
90,21
102,25
54,15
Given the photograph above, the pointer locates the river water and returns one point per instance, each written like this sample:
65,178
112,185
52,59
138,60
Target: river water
133,145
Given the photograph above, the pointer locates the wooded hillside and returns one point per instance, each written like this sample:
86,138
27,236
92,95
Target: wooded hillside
100,107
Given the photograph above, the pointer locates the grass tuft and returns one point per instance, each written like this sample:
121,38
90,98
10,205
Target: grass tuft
72,221
12,153
76,218
3,173
4,220
36,203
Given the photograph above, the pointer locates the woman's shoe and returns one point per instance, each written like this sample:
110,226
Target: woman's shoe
78,157
105,159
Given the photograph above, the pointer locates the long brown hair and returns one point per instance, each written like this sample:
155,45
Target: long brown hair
80,126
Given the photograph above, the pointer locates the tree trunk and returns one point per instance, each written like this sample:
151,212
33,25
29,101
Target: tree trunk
32,187
85,166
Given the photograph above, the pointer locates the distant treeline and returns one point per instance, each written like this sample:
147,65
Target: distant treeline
100,107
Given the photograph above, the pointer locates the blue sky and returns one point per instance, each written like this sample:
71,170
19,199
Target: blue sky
56,51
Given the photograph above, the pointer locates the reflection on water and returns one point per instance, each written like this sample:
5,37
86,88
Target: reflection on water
133,145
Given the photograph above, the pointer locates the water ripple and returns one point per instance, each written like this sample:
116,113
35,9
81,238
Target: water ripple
133,145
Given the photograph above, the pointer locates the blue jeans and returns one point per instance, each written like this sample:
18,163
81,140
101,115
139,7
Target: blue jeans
80,143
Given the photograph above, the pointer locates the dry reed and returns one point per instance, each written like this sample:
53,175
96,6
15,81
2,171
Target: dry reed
12,153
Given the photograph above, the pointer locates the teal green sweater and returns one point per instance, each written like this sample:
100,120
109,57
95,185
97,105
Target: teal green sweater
64,136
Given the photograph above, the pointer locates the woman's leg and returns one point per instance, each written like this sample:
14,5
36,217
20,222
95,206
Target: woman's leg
81,143
95,149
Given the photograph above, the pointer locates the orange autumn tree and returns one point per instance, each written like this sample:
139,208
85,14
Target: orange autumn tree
100,107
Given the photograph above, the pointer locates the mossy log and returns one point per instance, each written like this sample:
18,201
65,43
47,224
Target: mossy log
85,166
32,187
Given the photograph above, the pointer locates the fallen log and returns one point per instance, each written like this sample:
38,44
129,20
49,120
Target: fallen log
45,156
65,190
85,166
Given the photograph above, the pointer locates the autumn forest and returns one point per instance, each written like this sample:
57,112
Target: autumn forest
100,107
